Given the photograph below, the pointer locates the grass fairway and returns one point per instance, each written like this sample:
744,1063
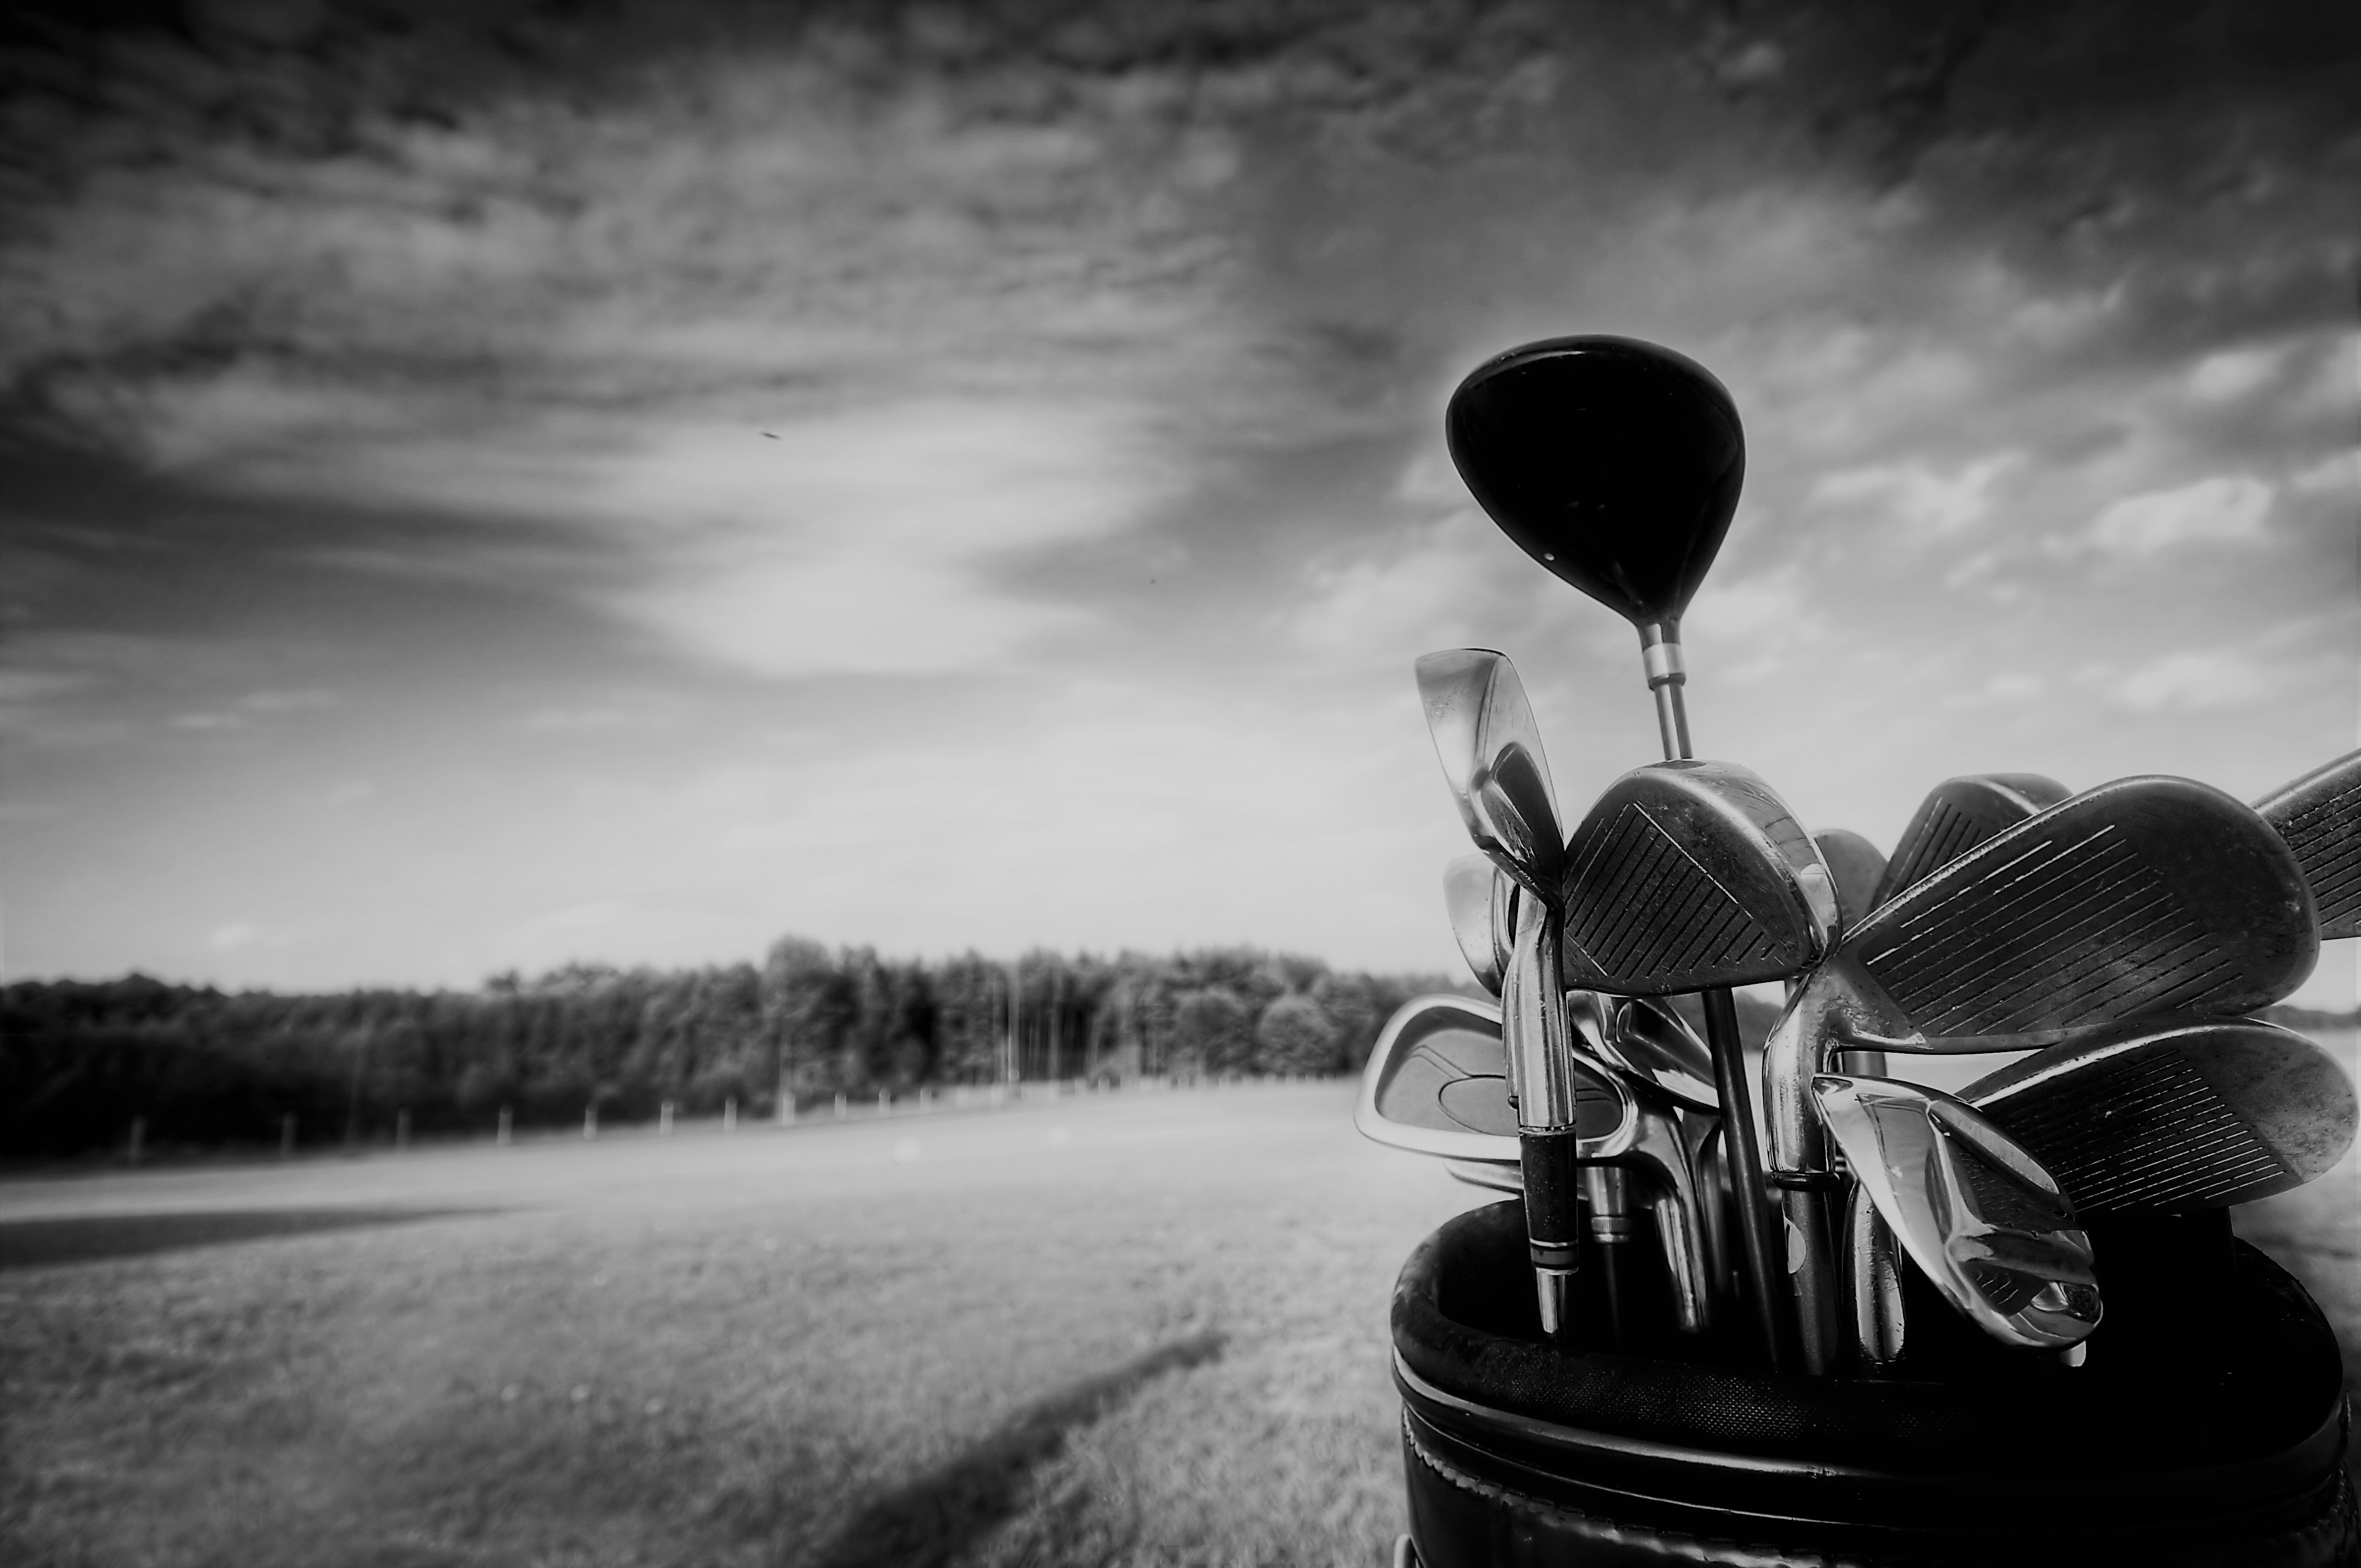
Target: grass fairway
1138,1328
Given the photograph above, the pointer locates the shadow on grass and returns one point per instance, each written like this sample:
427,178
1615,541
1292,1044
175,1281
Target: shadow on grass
36,1243
935,1517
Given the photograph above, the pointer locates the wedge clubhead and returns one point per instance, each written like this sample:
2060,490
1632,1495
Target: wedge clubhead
2320,817
1971,1209
1689,875
1958,814
1491,750
2144,896
2176,1114
1857,868
1476,895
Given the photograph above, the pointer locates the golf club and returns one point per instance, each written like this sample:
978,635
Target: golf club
2320,817
1857,868
1689,875
1474,893
2141,896
1974,1210
1437,1084
1958,814
1491,753
1617,464
2176,1114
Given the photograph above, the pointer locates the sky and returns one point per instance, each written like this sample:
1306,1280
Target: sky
501,485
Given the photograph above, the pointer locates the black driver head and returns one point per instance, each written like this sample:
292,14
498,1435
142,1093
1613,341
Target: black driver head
1614,462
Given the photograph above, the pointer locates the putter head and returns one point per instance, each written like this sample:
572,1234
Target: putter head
1437,1083
1491,753
1689,875
2175,1113
1644,1037
1958,814
1857,868
1614,462
2320,817
1971,1209
1471,895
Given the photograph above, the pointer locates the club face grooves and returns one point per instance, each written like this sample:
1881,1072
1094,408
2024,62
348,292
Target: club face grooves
1958,814
1685,876
2142,896
1638,904
2176,1114
2320,817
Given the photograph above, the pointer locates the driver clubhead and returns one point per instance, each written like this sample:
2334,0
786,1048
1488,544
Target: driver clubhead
1856,867
2320,817
1690,875
1614,462
2174,1115
1471,897
1491,750
1958,814
1971,1209
1437,1083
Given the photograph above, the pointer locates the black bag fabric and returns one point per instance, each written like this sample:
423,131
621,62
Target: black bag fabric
1518,1452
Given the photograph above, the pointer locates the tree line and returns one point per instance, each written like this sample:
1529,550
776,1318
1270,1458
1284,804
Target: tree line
202,1067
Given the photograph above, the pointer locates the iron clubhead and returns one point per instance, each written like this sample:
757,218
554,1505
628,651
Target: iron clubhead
2176,1114
1971,1209
1437,1083
1857,868
2145,895
1614,462
1689,875
1471,888
2142,896
2320,817
1958,814
1491,753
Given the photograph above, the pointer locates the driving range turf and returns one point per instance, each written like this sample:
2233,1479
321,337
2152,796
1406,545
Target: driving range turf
1139,1327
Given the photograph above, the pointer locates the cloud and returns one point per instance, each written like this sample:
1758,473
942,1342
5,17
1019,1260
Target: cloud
2231,373
1915,494
2224,509
231,938
2192,682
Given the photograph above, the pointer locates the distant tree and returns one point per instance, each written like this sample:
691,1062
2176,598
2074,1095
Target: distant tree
1293,1034
1213,1031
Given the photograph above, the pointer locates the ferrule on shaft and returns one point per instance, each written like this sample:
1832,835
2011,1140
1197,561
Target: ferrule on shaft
1660,655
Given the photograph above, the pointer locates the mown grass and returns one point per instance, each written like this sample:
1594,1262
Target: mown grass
1136,1329
1147,1329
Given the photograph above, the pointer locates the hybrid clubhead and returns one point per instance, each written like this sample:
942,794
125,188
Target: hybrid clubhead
1970,1208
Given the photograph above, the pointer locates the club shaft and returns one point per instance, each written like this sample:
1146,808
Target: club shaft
1660,651
1764,1285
